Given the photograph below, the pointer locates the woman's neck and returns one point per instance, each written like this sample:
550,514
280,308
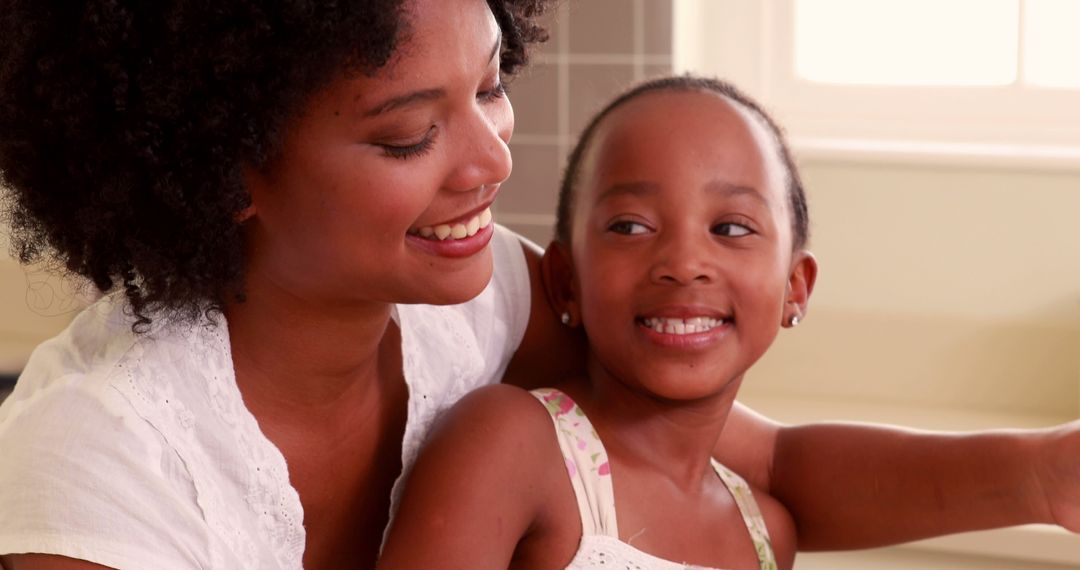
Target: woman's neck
673,437
295,354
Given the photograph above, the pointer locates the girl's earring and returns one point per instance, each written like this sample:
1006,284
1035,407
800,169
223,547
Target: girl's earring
565,318
794,321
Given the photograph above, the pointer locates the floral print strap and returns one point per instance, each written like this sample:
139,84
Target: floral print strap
755,523
586,463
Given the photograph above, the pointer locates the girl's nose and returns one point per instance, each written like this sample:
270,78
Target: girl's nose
483,153
683,260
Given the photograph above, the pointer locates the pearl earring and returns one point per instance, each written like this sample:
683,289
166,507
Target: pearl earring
794,320
565,318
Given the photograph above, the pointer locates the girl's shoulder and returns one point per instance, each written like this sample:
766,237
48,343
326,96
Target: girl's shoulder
491,470
500,415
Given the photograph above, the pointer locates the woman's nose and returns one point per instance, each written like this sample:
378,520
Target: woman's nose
483,157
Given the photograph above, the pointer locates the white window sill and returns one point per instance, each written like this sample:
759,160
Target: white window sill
1021,156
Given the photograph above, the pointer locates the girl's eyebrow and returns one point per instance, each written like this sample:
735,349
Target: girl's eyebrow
424,94
644,188
733,190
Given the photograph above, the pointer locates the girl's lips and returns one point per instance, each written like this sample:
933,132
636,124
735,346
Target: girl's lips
689,333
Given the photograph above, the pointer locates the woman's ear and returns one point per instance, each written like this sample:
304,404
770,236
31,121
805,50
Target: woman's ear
557,274
253,181
800,285
245,214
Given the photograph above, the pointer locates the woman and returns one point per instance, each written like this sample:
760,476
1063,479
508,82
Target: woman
290,203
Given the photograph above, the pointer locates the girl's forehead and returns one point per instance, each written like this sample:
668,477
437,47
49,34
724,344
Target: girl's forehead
666,134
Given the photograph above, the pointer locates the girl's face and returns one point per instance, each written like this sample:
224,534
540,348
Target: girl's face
378,168
682,245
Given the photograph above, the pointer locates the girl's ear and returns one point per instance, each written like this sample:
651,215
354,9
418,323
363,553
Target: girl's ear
800,285
557,274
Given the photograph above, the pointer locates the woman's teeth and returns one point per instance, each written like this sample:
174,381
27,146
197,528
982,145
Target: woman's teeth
682,326
456,231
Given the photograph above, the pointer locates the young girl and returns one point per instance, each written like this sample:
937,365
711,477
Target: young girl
680,251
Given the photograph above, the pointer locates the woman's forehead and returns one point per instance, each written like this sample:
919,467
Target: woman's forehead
437,33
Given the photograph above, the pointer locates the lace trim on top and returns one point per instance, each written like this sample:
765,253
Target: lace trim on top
590,475
199,358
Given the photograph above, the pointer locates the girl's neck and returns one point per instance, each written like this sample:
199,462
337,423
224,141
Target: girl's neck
671,437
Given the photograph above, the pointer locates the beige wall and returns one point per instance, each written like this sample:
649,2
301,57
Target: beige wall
597,49
939,286
34,305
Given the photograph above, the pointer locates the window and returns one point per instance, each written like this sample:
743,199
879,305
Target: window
967,76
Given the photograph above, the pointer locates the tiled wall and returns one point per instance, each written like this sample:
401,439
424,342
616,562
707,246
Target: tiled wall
597,49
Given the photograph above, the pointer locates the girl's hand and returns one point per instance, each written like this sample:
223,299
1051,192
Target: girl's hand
1060,475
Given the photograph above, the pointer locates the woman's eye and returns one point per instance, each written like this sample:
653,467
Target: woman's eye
627,228
407,151
496,92
731,229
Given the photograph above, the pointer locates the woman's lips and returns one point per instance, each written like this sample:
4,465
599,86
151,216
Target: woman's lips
461,239
455,231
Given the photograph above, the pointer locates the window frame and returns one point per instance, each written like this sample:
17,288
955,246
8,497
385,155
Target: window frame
752,42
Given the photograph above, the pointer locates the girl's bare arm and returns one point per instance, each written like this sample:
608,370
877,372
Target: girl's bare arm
479,485
857,485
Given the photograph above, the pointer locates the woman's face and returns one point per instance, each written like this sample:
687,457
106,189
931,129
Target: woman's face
682,245
378,168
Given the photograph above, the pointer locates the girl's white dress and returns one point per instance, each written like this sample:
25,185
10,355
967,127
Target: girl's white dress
136,451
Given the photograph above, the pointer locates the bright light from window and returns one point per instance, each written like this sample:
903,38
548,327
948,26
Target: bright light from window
914,42
1052,43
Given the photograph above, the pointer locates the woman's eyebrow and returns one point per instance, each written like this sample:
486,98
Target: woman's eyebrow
405,100
424,94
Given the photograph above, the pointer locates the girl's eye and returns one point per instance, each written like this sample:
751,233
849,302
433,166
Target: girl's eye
627,227
407,151
731,229
496,92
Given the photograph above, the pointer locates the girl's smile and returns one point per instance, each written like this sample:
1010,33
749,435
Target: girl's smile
690,328
682,252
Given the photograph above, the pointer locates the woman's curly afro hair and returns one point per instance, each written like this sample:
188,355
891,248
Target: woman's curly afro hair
124,126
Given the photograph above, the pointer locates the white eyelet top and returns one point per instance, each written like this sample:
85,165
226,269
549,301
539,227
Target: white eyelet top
137,451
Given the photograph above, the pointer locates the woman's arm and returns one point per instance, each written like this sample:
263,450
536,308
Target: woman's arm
479,485
46,562
550,350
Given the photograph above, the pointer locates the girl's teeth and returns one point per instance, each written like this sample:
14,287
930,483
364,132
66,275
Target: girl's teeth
682,326
457,231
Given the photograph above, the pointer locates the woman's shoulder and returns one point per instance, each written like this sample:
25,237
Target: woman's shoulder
110,432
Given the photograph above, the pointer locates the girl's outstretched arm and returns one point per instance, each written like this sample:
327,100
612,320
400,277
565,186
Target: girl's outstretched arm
860,486
484,481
